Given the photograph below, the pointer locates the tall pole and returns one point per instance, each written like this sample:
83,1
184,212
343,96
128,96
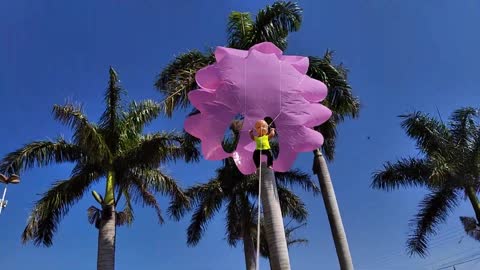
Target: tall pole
2,203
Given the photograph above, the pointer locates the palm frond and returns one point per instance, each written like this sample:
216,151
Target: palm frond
240,30
432,137
159,182
190,147
85,134
140,192
291,240
329,133
158,148
471,227
409,172
41,154
291,205
177,79
110,118
233,220
208,202
140,114
434,210
463,126
94,216
124,217
195,194
273,23
54,205
297,177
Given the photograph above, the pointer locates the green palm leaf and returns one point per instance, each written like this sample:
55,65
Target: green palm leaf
85,134
41,154
178,78
409,172
54,205
434,210
240,30
273,23
140,114
432,137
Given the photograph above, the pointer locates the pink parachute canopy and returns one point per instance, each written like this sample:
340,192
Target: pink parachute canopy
258,83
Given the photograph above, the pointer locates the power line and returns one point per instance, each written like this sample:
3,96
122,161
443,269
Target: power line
471,260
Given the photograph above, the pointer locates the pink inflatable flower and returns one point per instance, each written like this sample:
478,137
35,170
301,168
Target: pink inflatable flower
258,83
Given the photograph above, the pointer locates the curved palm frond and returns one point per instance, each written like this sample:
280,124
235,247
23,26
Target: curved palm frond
160,147
177,79
297,177
190,147
195,194
434,210
54,205
85,134
159,182
291,240
41,153
432,137
140,192
140,114
233,221
463,126
239,29
208,202
329,133
125,217
291,205
409,172
94,216
275,22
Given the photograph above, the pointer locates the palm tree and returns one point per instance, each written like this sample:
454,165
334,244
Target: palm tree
113,150
273,24
237,192
448,166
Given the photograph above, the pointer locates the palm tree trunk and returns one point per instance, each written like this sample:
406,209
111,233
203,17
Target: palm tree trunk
320,168
106,239
472,196
272,215
249,251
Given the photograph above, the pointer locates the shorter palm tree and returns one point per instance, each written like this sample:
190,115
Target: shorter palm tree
237,191
449,167
114,151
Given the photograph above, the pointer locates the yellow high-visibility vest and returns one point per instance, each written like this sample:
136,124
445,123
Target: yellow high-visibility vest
262,142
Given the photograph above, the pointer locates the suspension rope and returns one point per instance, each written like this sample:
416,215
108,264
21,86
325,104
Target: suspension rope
258,210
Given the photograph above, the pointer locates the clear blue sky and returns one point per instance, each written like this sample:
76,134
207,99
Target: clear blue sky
403,55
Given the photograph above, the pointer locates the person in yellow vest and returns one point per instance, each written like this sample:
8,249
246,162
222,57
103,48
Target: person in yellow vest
262,143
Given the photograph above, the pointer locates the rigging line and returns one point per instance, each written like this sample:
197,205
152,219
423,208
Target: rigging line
258,214
280,94
245,87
